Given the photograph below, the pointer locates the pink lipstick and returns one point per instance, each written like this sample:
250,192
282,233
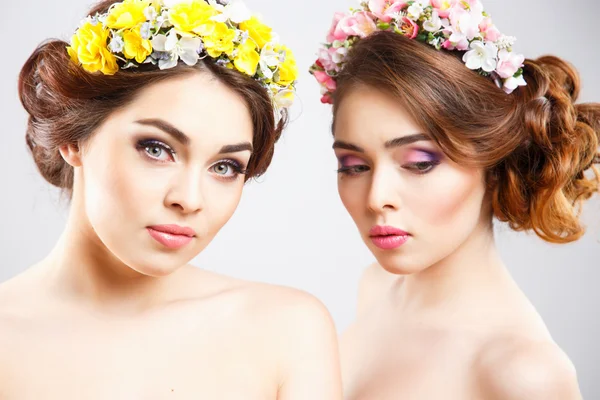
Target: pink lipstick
171,236
388,237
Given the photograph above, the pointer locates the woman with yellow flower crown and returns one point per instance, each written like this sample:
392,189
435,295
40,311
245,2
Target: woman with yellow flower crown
152,119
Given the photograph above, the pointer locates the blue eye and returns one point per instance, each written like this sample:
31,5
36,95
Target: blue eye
156,150
228,169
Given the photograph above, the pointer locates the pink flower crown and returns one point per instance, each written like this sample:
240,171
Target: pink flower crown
444,24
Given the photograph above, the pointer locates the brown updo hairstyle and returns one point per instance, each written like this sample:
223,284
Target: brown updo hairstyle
537,146
66,104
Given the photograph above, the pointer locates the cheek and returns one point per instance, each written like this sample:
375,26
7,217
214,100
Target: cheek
118,182
221,200
449,200
353,194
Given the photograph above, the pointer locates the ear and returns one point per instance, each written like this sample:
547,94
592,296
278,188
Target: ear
71,153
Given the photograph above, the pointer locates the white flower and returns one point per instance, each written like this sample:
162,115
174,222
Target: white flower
241,36
458,39
145,30
185,49
467,22
506,42
434,24
162,21
415,11
512,83
482,56
116,44
282,100
268,59
236,11
150,13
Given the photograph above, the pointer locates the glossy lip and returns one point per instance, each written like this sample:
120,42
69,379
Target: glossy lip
388,237
171,236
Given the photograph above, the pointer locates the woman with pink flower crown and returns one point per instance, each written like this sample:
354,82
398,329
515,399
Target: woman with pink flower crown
439,127
151,120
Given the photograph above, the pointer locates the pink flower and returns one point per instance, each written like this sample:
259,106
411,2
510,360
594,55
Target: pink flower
325,80
385,9
509,63
409,28
448,45
489,30
327,99
359,24
331,57
331,35
443,7
457,39
325,60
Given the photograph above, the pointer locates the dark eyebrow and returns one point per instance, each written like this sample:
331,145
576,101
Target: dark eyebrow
234,148
338,144
404,140
167,128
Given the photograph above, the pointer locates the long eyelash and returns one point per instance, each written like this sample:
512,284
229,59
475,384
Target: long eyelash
429,164
350,170
143,144
237,167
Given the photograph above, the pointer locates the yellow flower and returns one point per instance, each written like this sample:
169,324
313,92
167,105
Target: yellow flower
247,58
220,40
258,31
127,14
192,17
135,46
288,70
89,48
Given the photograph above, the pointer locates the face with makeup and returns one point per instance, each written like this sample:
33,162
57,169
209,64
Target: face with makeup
412,205
161,176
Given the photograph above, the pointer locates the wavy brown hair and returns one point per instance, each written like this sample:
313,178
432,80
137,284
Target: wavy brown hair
537,146
66,104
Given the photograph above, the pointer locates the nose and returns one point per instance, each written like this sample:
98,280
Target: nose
384,191
186,193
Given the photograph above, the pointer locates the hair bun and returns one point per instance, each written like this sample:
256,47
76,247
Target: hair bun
547,176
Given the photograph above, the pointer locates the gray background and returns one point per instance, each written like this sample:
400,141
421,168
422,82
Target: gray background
291,227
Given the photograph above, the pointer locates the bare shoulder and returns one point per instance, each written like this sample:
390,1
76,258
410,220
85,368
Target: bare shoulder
291,309
18,293
518,368
279,305
373,282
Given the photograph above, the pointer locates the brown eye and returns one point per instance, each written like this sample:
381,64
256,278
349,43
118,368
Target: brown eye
422,167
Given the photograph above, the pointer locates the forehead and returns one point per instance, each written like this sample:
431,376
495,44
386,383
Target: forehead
199,105
369,113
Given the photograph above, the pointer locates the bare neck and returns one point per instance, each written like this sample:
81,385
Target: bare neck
466,283
82,270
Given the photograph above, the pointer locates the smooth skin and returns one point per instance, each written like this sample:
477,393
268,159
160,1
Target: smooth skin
113,314
439,317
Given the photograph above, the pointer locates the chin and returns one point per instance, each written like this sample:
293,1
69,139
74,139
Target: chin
154,270
158,265
400,264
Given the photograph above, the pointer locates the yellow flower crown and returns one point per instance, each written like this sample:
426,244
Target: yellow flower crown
162,32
